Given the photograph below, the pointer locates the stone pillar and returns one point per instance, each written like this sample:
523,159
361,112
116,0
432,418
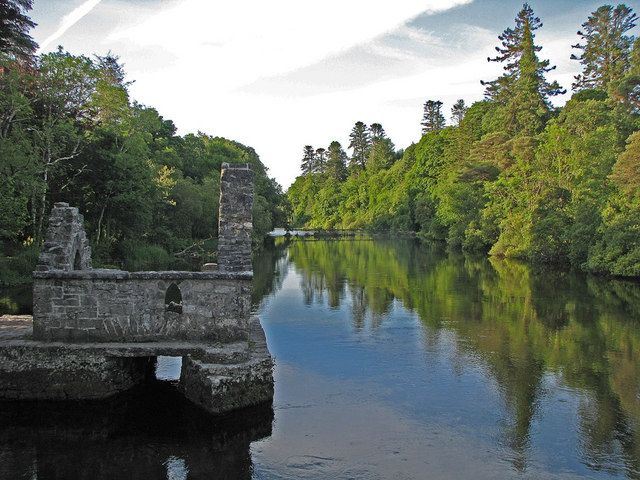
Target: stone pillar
66,246
235,219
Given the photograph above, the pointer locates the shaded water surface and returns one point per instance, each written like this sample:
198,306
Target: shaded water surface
394,360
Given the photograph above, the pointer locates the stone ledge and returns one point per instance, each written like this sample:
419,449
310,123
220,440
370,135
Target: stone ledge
109,274
16,333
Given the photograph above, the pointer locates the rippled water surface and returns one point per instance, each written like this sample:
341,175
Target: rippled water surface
393,360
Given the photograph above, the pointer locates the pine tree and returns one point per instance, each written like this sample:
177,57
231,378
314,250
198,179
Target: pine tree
360,142
336,162
627,90
527,107
432,119
377,132
605,49
15,40
112,69
382,154
308,160
511,52
320,163
457,112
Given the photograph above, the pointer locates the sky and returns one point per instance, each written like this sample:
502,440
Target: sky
277,75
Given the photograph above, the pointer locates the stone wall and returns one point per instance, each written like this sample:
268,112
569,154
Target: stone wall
235,218
118,306
29,373
66,246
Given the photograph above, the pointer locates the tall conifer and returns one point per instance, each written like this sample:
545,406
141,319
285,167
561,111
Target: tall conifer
457,112
336,162
605,48
510,53
14,29
320,163
432,117
377,132
359,142
308,160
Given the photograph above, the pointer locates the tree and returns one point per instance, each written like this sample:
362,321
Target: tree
381,155
308,160
627,89
432,118
528,106
336,162
457,112
321,160
605,48
522,93
626,171
617,251
64,89
15,40
377,132
113,69
359,142
510,53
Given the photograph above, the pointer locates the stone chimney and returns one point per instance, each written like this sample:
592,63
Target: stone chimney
66,246
235,218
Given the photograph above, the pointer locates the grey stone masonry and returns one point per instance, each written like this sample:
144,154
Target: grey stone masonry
96,332
66,246
118,306
235,219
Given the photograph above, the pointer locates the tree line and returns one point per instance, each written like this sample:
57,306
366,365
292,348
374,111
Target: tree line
511,174
69,131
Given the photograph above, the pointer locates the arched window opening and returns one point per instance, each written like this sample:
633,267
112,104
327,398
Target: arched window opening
77,261
173,299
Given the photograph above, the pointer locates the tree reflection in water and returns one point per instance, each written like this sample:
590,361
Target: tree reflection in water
527,327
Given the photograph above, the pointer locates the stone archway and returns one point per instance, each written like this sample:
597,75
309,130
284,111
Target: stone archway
173,299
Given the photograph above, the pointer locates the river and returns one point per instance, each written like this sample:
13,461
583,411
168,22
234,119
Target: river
393,360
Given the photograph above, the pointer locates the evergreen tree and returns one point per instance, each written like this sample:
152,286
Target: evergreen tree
377,132
320,160
113,69
523,91
627,89
381,155
528,107
432,118
512,40
308,160
360,143
336,162
605,47
15,40
457,112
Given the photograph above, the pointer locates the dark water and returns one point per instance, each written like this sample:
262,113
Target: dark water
393,361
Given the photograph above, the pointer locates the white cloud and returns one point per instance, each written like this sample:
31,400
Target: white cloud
69,21
209,53
280,74
243,40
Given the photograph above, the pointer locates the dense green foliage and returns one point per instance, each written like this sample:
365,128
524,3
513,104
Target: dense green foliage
14,29
69,132
514,176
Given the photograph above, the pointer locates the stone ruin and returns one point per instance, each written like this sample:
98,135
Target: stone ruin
97,332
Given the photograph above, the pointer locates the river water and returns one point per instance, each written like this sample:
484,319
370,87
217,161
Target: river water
393,360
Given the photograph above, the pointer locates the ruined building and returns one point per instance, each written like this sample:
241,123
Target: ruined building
97,332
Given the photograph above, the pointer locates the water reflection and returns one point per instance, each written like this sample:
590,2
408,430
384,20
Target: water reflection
535,334
393,360
148,433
